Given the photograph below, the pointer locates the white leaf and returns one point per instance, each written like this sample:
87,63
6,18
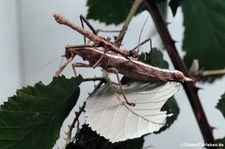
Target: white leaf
109,114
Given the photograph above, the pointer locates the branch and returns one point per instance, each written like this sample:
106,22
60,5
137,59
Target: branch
201,73
133,10
69,133
190,88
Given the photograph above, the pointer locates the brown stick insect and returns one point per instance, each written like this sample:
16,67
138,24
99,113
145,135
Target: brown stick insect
113,59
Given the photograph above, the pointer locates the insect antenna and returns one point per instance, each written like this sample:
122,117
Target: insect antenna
39,71
139,39
61,62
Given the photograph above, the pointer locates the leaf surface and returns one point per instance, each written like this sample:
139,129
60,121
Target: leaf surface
221,142
109,115
110,11
221,105
204,32
32,119
86,138
174,4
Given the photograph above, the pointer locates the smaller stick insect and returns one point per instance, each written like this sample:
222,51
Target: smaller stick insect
114,63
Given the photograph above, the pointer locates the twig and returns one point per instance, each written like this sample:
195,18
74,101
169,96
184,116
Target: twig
201,73
69,133
63,66
94,79
133,10
190,88
207,73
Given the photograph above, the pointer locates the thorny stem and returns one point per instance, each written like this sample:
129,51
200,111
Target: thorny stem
81,109
69,133
190,88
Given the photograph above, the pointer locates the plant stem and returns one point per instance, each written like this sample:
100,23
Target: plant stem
133,10
94,79
190,88
69,133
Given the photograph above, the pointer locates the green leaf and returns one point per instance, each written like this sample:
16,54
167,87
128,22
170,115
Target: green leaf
221,105
154,58
174,4
221,142
110,11
170,106
32,119
204,32
88,139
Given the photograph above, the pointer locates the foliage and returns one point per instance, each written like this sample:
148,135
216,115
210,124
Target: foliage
204,32
221,107
33,117
111,15
88,139
108,114
174,4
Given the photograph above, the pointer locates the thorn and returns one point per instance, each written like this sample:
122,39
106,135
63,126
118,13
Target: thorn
213,128
69,126
174,41
76,113
95,85
168,23
197,88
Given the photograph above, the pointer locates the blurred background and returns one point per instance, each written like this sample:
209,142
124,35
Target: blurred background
32,44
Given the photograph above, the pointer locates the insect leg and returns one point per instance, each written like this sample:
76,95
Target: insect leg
114,70
98,61
106,49
119,38
69,57
82,20
63,66
74,65
135,49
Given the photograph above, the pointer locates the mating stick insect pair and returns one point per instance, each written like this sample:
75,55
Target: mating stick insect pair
111,58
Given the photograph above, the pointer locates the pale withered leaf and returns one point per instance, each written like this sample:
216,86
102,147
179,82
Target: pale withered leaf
109,115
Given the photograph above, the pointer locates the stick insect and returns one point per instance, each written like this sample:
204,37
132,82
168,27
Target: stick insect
113,59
